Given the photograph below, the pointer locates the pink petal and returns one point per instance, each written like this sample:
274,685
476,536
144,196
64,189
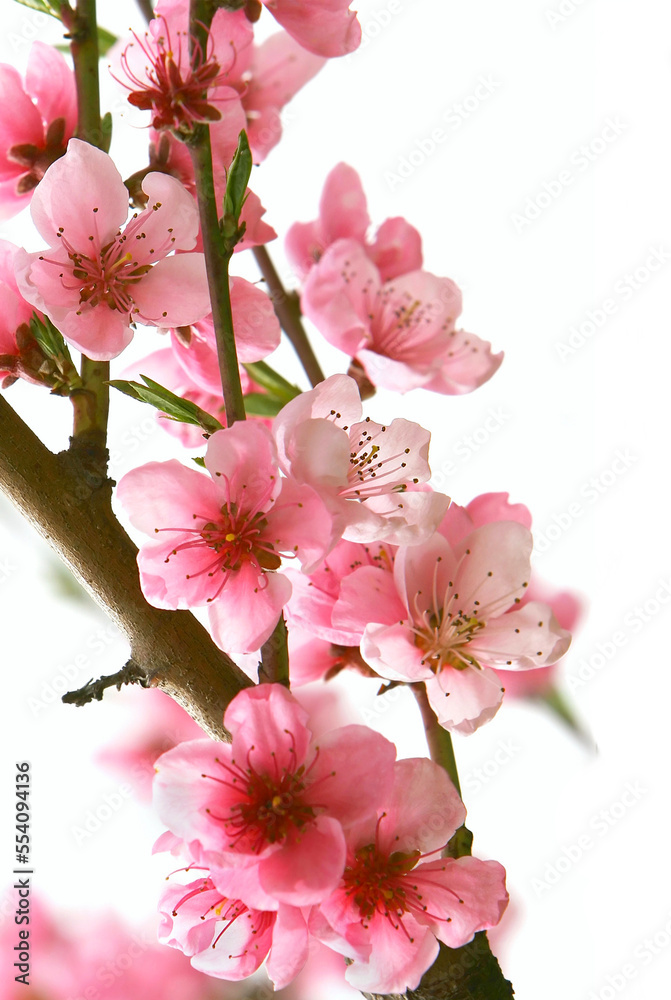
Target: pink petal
497,507
81,195
300,523
166,495
352,757
339,308
20,121
343,211
241,948
182,795
51,82
268,719
415,515
464,700
494,568
304,246
391,651
290,947
257,329
170,219
399,957
521,640
309,866
242,460
244,615
470,892
423,811
368,594
468,364
329,29
337,397
280,68
388,373
174,292
397,249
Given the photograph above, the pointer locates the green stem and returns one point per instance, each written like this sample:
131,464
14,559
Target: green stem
442,752
274,667
91,403
216,261
288,313
217,257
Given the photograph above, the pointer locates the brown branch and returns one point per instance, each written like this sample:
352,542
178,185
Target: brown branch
70,506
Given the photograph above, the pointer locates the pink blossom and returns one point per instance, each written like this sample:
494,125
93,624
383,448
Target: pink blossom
565,606
360,468
156,724
36,120
441,618
343,214
216,540
15,313
229,940
280,67
403,331
313,597
257,334
266,813
96,281
93,955
392,907
325,27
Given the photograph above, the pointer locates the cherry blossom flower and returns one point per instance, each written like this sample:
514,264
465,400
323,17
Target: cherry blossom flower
171,80
565,606
360,468
265,814
246,85
343,214
403,331
325,27
96,281
441,618
392,907
36,121
227,939
216,540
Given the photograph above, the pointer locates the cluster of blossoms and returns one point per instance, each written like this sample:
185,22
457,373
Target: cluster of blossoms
315,511
331,839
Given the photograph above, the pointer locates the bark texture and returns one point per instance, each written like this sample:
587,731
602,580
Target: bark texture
67,499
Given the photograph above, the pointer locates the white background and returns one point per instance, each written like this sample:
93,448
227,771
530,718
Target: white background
553,110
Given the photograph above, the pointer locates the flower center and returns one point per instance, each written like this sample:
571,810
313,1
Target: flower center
375,883
445,637
271,806
175,86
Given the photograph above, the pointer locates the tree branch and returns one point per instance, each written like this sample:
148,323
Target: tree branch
288,313
70,506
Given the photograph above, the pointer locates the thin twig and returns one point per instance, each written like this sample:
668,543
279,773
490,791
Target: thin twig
131,673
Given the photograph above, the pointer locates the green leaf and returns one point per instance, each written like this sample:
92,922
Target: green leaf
49,338
40,5
168,402
105,40
236,188
274,383
258,404
199,460
106,129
